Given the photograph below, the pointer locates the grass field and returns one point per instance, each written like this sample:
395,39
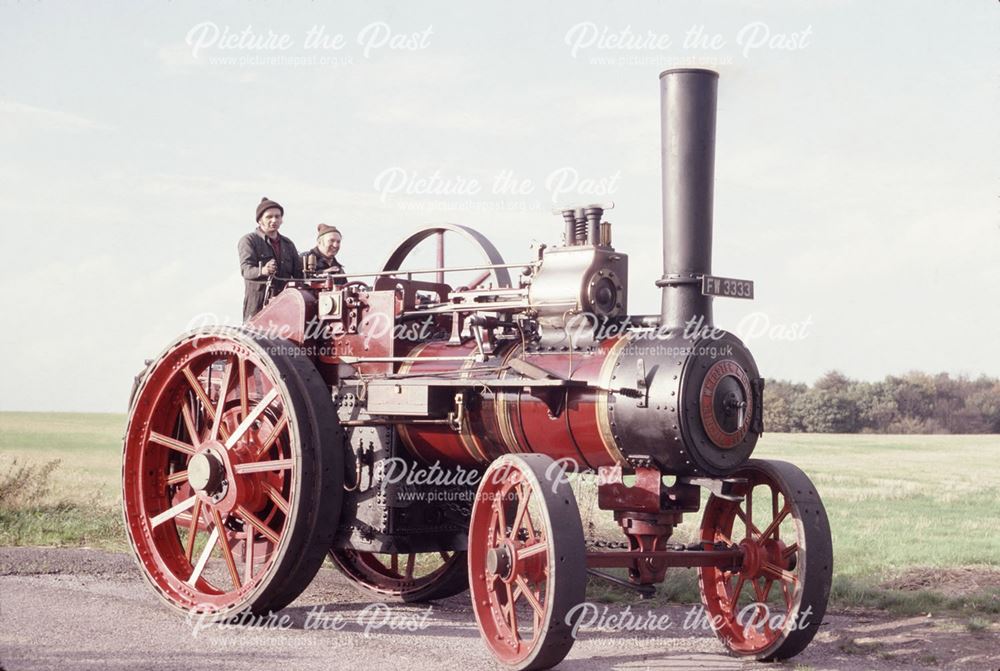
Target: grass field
78,501
915,519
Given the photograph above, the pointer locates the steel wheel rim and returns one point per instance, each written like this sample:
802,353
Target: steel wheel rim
384,573
773,570
167,433
534,571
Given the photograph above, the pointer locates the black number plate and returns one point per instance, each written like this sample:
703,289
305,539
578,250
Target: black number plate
726,287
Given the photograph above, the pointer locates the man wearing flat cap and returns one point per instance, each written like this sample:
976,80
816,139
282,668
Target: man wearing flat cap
266,255
322,259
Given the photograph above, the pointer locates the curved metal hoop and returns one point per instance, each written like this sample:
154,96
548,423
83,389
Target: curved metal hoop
500,276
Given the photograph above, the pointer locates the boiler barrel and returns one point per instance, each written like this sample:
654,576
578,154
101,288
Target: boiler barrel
642,404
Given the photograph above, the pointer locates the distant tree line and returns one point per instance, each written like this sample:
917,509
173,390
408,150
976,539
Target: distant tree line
912,403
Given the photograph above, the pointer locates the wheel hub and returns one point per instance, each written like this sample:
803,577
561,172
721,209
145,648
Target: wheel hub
775,551
751,558
499,562
207,474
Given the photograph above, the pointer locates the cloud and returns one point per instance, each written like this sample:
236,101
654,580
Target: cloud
176,58
18,119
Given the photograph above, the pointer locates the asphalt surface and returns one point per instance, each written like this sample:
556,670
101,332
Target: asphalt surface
85,609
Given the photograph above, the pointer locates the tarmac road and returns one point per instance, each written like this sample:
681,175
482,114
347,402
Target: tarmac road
85,609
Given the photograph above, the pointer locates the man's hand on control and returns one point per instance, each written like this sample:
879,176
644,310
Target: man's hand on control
270,268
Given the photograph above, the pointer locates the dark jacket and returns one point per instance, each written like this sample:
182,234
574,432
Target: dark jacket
255,251
323,263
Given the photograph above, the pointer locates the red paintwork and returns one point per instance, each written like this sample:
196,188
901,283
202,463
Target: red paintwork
286,315
644,496
372,336
438,442
149,465
572,433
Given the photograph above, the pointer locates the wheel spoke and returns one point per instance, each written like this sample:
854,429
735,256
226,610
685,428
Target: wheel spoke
198,389
530,525
206,402
379,573
501,513
758,590
758,605
532,550
172,443
522,507
263,466
250,518
217,539
271,437
746,521
251,418
778,519
189,424
773,561
496,531
520,601
223,392
193,530
248,569
733,602
777,572
276,497
177,478
765,591
241,364
203,558
227,552
530,595
410,562
172,512
788,596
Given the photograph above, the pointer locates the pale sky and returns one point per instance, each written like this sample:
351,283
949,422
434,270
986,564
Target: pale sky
857,175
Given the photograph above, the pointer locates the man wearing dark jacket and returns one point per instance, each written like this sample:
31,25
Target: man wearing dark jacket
266,255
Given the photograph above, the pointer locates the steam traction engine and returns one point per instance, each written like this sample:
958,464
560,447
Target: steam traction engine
252,454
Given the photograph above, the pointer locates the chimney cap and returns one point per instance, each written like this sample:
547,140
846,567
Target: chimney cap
702,71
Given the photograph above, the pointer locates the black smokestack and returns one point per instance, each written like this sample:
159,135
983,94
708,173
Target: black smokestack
687,122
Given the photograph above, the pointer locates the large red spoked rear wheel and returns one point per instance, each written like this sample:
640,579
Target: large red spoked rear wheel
772,606
411,578
527,570
232,473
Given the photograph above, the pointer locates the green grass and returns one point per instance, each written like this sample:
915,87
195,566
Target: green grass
89,447
902,501
898,505
906,505
63,524
60,479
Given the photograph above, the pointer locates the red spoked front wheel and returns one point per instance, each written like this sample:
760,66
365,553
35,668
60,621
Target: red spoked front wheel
411,577
527,567
772,606
232,473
